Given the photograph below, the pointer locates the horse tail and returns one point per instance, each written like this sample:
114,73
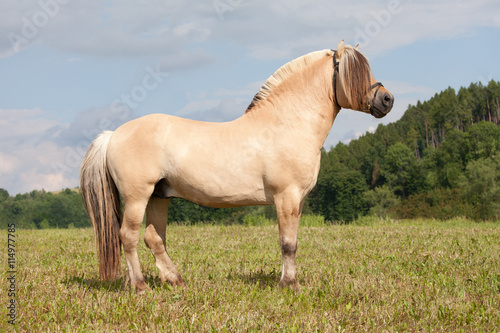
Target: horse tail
102,202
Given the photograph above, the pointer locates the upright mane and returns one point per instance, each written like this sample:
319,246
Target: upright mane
286,71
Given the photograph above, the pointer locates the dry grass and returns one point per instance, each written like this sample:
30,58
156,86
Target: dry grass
384,276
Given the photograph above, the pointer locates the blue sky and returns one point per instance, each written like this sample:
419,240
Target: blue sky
71,68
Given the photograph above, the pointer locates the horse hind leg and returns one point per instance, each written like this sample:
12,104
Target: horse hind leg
156,223
129,236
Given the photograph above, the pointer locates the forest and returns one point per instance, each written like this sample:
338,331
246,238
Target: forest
440,160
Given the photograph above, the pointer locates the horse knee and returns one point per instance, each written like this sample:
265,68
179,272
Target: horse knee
129,239
153,240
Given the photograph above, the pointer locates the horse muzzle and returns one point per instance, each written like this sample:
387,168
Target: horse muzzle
382,104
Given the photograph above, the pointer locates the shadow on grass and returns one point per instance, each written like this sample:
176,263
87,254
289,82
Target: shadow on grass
260,278
116,285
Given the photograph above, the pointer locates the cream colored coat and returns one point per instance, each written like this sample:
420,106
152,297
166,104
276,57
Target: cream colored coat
270,155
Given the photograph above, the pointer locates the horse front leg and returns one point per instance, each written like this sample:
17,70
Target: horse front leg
288,209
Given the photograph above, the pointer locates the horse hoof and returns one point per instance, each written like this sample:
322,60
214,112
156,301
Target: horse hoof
293,285
174,281
177,283
141,287
180,283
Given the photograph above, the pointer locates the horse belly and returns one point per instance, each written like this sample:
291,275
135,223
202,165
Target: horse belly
212,192
217,182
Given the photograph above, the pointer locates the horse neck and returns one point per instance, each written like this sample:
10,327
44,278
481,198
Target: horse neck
304,102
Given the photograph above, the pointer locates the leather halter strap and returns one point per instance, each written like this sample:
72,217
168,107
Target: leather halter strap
335,71
377,85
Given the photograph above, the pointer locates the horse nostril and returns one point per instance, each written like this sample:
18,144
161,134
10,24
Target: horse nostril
387,99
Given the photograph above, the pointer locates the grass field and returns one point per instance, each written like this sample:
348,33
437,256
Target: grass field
381,276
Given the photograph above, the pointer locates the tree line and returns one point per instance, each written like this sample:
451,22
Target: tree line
65,209
440,160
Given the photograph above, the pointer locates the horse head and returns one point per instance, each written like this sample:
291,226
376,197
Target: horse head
354,85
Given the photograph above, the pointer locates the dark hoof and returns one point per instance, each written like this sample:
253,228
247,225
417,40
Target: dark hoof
141,287
178,283
293,285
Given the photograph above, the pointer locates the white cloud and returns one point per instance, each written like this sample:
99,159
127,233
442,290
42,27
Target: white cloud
37,152
9,163
25,159
117,28
24,125
49,182
410,21
88,124
39,168
269,30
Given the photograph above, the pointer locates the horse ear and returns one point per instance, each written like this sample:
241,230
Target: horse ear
356,48
340,49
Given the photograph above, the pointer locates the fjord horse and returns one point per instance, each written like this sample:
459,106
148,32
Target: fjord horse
268,156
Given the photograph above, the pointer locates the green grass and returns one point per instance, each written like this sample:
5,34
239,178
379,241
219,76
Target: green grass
374,276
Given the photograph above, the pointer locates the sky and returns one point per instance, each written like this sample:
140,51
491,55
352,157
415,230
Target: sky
72,68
